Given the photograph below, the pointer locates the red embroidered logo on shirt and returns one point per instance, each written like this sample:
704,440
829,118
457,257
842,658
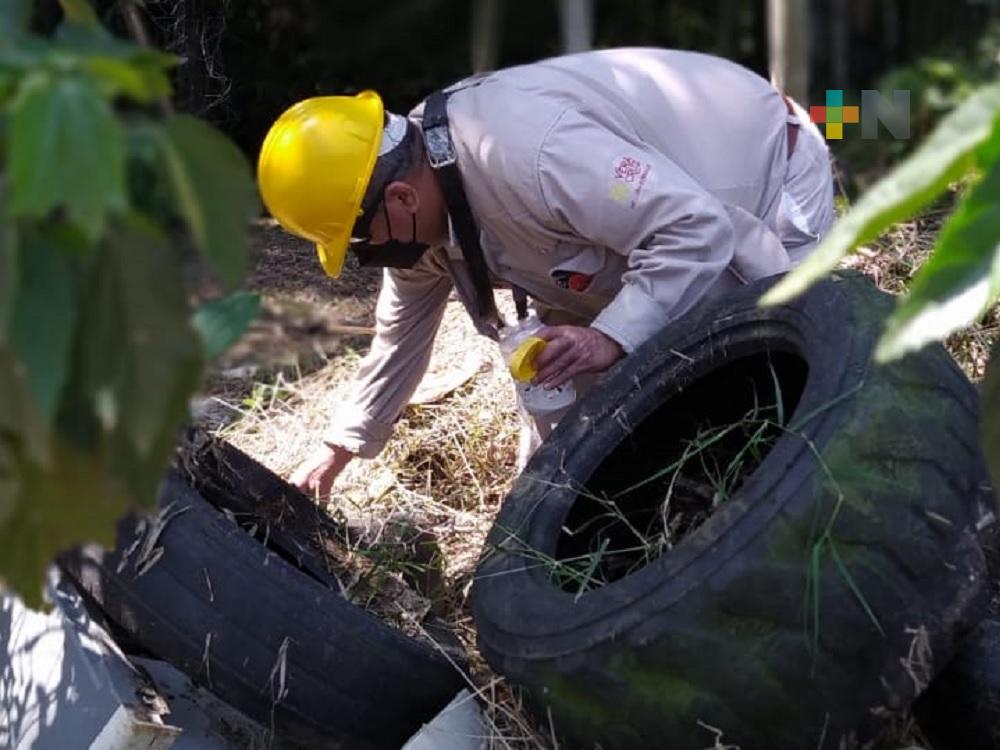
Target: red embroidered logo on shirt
627,169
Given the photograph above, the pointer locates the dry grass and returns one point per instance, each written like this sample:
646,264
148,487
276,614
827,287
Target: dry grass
452,460
449,463
893,260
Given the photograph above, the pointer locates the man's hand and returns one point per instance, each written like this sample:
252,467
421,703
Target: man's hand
315,475
573,350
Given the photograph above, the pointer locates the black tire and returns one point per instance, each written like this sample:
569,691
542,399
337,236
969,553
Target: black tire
719,632
961,708
254,625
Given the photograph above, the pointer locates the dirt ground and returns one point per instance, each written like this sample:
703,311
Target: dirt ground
306,315
311,325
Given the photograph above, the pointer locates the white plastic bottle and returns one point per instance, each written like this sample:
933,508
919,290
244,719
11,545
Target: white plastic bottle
519,346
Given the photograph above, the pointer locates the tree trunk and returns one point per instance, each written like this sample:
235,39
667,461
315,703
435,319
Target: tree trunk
726,26
788,42
890,31
486,33
840,23
576,23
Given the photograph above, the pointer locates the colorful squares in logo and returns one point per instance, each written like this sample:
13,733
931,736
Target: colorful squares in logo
834,114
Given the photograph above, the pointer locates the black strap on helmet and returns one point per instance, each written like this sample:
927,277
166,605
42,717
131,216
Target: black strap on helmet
441,155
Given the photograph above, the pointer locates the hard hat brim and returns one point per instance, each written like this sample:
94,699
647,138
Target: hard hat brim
315,165
331,257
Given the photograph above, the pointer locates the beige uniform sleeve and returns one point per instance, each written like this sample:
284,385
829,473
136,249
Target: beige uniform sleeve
622,195
410,306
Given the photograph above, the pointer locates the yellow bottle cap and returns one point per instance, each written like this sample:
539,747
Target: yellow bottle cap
522,361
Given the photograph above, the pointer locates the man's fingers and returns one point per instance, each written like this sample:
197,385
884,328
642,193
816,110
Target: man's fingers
319,482
553,369
316,475
311,476
550,332
555,348
573,350
560,370
300,478
306,483
557,362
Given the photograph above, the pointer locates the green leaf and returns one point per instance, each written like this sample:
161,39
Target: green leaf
96,41
49,508
23,439
20,419
991,414
214,190
66,149
43,320
143,83
122,66
959,281
21,53
139,358
140,355
7,88
222,321
79,12
14,15
85,39
9,274
943,157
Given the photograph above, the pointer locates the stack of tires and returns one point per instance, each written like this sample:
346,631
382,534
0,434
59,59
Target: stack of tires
815,604
809,609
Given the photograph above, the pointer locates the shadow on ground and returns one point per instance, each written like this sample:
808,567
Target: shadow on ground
306,320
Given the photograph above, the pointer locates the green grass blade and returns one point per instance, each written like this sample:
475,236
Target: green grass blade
592,568
845,573
815,563
778,400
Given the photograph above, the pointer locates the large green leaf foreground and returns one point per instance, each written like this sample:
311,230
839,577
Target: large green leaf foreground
956,286
99,350
961,280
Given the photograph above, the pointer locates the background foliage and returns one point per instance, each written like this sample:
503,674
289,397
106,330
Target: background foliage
244,62
98,352
960,281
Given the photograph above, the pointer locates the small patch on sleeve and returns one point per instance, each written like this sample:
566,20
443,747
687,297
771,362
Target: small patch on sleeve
629,176
628,169
572,280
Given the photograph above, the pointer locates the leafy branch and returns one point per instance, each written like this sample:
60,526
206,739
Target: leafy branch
99,350
961,280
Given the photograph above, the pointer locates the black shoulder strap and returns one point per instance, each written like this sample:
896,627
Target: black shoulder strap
441,155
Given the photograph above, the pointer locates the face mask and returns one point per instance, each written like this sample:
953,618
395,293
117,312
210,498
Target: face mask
392,253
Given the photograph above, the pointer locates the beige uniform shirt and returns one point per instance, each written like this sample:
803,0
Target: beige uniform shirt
617,187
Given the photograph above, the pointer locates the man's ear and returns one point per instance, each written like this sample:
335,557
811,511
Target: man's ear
404,194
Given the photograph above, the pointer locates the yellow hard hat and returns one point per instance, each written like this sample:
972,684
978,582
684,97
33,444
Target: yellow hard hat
314,166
